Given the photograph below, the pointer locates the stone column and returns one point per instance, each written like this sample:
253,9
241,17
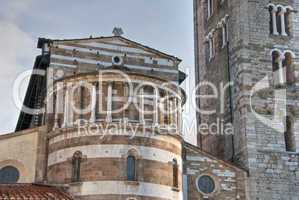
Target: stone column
281,71
59,99
71,104
179,124
210,4
156,107
175,112
171,118
141,100
282,17
93,104
223,35
109,103
211,47
66,108
274,22
162,111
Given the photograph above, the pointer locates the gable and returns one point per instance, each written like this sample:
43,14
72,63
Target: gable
111,46
228,179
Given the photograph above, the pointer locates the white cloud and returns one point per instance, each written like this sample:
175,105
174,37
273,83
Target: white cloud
16,49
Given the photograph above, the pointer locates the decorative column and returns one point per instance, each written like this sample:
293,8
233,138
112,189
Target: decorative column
281,71
210,4
93,104
162,110
226,28
211,47
274,22
141,117
66,108
100,100
156,107
71,104
179,115
223,35
282,17
171,113
59,99
168,107
175,113
109,103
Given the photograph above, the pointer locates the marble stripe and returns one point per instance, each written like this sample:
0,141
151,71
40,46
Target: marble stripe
114,151
122,188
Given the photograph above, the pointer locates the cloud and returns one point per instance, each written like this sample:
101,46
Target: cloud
16,55
11,9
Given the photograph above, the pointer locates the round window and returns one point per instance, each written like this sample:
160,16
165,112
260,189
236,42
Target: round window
116,59
206,184
9,174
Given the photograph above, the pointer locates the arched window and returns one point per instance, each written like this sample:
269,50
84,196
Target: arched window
131,168
76,166
289,68
276,67
175,172
280,19
289,135
287,19
275,60
9,174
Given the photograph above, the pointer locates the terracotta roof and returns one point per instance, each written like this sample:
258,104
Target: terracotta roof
32,192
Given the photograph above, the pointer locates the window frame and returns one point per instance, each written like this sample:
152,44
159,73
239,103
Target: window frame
131,173
216,186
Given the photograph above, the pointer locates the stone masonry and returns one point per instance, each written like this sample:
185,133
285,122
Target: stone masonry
260,143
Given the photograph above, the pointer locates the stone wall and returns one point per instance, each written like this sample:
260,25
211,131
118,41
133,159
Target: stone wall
20,150
260,146
230,182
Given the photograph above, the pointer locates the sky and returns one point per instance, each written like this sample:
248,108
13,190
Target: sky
166,25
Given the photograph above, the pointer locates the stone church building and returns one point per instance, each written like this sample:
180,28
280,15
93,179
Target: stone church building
102,120
102,116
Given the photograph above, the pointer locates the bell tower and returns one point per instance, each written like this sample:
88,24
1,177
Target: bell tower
254,46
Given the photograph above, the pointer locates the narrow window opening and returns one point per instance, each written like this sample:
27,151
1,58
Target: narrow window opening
289,69
289,135
131,168
287,21
76,166
276,68
175,171
278,21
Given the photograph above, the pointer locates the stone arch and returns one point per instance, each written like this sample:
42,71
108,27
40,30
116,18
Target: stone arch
76,166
